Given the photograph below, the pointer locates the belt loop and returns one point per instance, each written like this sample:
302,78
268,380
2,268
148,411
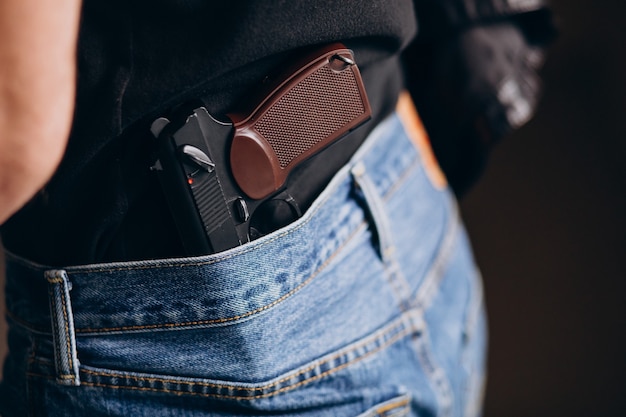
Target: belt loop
65,358
375,210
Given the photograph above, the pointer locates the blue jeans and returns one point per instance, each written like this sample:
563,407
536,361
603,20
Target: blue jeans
369,305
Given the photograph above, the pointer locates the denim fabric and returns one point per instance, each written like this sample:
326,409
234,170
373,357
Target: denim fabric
369,305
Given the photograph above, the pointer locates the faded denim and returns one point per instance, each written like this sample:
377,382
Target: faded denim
369,305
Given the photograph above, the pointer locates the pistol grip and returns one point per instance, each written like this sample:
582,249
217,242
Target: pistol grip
299,117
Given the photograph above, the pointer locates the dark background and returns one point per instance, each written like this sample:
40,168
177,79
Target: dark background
549,230
548,223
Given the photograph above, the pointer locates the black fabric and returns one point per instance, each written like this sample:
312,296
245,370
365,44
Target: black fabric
474,76
137,58
471,90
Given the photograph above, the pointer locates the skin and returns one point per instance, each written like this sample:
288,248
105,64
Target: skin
37,88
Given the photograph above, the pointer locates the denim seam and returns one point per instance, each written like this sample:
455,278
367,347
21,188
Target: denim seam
234,318
402,286
391,268
304,221
395,280
365,148
441,257
385,196
377,335
273,393
388,193
393,272
436,376
390,342
390,408
373,204
55,330
404,327
425,295
396,407
58,288
426,292
85,270
341,176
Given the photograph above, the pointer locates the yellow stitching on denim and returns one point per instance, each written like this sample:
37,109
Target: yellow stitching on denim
54,277
370,339
385,196
403,402
259,396
241,316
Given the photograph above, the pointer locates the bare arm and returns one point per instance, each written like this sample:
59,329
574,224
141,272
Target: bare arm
37,85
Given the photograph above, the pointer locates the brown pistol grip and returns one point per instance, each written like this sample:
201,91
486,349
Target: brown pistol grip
315,104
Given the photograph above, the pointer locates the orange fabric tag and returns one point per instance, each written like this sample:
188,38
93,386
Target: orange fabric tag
415,129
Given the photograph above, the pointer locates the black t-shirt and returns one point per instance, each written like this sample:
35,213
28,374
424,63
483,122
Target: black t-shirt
136,59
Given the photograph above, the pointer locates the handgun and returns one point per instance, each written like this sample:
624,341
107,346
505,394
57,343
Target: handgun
216,173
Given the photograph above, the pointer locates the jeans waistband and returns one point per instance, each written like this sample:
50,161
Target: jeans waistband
217,289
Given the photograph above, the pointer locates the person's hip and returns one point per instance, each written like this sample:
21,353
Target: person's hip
369,303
